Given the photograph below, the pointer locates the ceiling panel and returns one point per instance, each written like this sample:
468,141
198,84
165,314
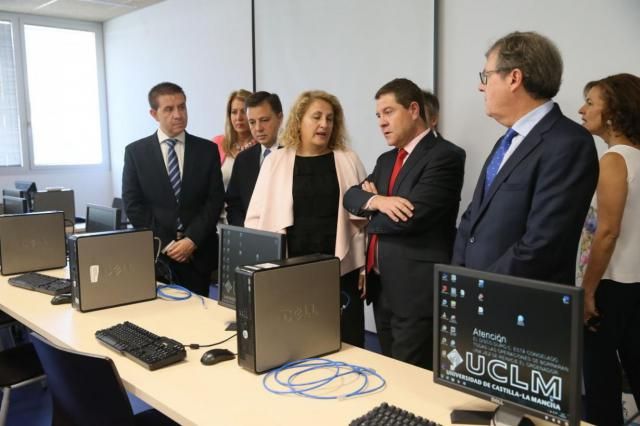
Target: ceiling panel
88,10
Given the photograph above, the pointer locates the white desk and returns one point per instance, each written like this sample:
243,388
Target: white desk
223,394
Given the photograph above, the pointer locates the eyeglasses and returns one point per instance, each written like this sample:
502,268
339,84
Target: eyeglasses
484,75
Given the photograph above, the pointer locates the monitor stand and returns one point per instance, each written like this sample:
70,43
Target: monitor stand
506,416
503,416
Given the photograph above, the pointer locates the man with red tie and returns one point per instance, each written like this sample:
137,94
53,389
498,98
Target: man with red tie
412,198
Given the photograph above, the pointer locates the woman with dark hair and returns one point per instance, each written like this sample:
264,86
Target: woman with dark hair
612,279
299,192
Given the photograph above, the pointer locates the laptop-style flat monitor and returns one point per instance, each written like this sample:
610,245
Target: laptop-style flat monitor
14,205
26,185
62,200
32,242
513,341
243,246
102,218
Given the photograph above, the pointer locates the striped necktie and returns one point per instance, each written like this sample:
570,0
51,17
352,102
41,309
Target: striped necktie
173,169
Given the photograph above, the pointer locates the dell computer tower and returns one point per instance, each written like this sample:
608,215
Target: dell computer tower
32,242
111,268
287,310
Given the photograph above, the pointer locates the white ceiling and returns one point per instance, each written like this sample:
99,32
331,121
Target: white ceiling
87,10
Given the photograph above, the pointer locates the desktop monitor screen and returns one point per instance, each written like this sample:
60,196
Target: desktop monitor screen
14,205
511,340
26,185
243,246
62,200
102,218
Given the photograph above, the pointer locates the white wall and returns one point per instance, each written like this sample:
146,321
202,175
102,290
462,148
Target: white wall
204,46
596,39
303,45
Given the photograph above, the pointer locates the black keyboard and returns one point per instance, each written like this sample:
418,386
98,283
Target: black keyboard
42,283
390,415
142,346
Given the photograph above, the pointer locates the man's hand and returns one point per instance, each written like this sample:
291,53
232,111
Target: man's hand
181,250
362,284
397,208
369,187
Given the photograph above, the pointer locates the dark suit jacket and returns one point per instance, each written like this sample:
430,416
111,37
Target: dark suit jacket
243,179
529,223
150,202
431,179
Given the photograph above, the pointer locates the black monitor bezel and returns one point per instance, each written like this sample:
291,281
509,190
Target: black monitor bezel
575,376
281,238
116,215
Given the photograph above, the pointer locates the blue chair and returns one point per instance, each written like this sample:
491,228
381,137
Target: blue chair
19,366
86,389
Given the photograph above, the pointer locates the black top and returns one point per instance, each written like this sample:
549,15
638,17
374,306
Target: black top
316,195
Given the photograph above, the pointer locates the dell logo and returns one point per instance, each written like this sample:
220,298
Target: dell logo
300,313
34,243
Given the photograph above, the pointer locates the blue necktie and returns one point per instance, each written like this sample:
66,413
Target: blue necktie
496,160
173,169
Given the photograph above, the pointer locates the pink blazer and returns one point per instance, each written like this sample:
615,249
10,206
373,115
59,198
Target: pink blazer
271,206
218,141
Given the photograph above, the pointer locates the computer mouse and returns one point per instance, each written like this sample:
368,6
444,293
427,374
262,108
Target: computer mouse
214,356
60,299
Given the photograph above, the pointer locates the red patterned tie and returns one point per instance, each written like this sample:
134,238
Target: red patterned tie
373,240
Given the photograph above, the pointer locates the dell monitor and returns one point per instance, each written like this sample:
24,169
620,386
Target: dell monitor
513,341
62,200
14,193
102,218
243,246
26,185
14,205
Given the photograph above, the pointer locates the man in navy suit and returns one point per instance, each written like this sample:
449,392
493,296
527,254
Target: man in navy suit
412,198
171,183
534,190
264,114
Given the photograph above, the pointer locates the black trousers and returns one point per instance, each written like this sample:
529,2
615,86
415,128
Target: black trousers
352,319
403,336
185,274
613,347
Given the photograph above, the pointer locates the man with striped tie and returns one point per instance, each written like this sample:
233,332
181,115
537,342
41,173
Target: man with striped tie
171,183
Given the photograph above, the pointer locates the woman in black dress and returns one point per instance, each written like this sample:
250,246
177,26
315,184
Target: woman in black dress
299,192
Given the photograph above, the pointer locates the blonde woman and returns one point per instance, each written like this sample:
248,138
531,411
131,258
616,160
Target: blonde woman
299,192
237,136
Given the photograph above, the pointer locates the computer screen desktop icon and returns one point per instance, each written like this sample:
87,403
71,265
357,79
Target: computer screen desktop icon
513,341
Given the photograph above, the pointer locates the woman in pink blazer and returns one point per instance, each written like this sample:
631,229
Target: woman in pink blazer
299,192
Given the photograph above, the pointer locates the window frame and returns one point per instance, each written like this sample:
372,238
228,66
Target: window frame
18,22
